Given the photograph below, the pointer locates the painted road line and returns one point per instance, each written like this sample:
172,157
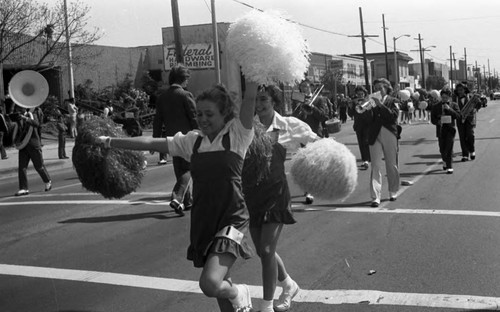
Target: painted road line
408,211
86,202
330,297
52,194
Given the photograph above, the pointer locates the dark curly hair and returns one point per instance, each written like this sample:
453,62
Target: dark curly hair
276,96
222,98
178,74
386,84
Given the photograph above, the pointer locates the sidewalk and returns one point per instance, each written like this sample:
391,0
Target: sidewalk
8,167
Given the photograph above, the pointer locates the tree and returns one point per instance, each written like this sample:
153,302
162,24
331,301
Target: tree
435,82
26,26
34,34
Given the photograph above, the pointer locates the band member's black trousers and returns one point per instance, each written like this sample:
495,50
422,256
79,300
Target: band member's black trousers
364,147
466,134
35,155
182,188
446,139
61,148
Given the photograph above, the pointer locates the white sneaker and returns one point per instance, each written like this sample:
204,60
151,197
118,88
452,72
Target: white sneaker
48,186
285,300
243,301
162,162
22,193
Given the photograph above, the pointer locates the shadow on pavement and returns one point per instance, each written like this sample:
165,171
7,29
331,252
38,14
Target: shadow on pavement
127,217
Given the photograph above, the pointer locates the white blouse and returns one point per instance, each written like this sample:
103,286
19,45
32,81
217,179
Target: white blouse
240,138
293,132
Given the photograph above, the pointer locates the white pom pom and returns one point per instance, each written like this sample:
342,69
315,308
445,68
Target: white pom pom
435,95
422,105
415,95
268,48
326,169
404,95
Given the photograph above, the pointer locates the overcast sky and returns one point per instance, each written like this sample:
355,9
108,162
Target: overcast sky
474,25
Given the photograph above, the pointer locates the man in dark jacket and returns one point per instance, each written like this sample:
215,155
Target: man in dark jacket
176,111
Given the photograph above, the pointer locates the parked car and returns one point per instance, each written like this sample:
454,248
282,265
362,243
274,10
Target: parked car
496,95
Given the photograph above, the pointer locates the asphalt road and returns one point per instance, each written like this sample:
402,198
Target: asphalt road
434,249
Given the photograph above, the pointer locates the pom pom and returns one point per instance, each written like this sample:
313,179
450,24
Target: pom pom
268,48
422,105
258,157
410,89
435,95
111,172
415,96
404,95
325,168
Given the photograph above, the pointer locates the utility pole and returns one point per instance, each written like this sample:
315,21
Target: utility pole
451,68
465,56
484,73
385,46
216,44
478,74
489,75
70,57
455,66
421,60
179,57
363,41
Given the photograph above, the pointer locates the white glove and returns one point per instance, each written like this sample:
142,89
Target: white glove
105,140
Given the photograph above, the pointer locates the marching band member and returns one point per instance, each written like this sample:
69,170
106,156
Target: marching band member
383,140
465,124
360,126
443,115
269,201
28,126
314,114
219,216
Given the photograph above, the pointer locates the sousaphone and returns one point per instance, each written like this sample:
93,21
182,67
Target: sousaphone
28,89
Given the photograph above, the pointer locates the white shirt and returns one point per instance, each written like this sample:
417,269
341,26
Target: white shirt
292,132
239,137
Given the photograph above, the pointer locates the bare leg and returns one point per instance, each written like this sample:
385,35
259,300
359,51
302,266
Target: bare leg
266,239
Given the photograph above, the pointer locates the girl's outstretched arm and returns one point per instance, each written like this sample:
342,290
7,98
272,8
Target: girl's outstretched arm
136,143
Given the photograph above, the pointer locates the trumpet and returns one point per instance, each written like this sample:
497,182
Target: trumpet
361,108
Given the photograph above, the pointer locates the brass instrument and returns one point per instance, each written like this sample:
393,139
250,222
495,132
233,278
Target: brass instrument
28,89
369,103
473,103
303,103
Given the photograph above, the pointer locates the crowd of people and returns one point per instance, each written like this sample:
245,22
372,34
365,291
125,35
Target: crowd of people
208,142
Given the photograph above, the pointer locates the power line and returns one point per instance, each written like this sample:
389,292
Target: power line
295,22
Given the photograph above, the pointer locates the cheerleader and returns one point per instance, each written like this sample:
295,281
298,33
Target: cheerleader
219,216
269,201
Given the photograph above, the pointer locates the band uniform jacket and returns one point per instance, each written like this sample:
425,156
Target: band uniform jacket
313,115
438,111
176,110
384,116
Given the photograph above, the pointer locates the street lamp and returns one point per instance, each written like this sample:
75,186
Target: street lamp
396,71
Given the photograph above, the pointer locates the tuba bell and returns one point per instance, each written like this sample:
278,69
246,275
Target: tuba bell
27,89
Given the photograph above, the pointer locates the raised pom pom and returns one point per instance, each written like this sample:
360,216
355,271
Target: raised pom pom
326,169
111,172
268,48
435,95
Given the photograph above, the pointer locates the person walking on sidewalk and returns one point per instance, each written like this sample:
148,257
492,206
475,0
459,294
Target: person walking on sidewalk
61,137
176,111
27,125
4,130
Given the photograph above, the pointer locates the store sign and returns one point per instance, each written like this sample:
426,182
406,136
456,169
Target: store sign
196,56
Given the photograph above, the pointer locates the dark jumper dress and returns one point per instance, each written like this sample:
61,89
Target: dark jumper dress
270,201
217,202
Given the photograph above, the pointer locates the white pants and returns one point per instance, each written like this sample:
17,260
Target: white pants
385,146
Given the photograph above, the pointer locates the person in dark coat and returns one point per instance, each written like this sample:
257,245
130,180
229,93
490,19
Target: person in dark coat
361,125
383,140
176,111
61,137
443,115
466,124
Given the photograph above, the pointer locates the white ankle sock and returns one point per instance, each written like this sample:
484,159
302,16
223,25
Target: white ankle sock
266,305
287,282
